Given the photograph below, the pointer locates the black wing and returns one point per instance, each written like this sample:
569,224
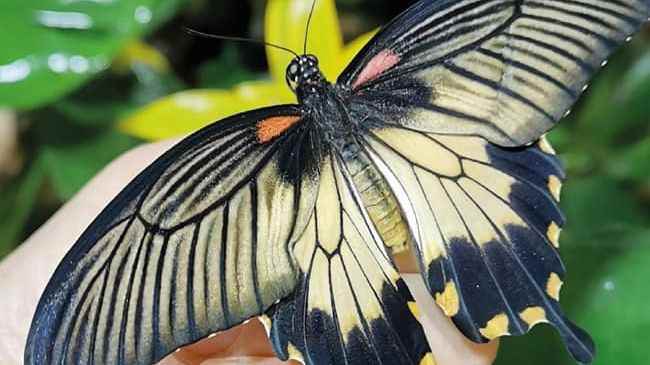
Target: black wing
197,243
506,70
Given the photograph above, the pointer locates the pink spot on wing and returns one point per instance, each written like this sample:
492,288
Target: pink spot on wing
377,66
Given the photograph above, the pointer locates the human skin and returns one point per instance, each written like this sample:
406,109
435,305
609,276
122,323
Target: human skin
24,274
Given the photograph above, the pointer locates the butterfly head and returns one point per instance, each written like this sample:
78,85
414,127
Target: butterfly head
303,71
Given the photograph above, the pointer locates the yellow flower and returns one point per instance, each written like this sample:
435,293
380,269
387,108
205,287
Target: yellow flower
285,21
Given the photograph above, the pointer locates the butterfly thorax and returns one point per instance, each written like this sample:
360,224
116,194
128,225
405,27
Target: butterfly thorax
318,98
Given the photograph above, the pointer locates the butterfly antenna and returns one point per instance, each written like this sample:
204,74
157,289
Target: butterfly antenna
238,39
311,13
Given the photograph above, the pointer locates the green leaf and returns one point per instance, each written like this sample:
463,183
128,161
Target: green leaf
633,163
637,78
16,202
51,47
616,309
560,137
225,71
596,109
110,97
599,208
70,166
616,104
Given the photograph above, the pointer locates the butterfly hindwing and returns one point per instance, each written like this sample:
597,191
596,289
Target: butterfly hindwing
507,70
197,243
351,306
485,223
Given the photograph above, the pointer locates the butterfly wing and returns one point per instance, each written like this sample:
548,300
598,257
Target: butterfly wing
502,69
485,224
197,243
437,90
351,306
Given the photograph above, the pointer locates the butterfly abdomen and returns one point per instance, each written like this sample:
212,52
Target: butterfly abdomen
376,196
380,203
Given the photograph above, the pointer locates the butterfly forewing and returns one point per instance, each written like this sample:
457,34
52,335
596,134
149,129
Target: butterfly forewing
177,256
505,70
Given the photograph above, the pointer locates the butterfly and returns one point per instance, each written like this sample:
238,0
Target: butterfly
431,140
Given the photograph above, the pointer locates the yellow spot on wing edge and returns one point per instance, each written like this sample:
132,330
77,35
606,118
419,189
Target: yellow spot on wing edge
414,309
295,354
448,300
545,146
428,359
553,286
555,186
533,316
496,327
553,234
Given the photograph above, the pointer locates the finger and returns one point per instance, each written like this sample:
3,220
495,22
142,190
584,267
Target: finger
243,344
448,344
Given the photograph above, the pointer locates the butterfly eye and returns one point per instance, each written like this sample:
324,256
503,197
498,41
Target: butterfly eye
312,59
292,72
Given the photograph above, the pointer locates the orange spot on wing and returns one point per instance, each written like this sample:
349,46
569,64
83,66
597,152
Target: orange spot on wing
270,128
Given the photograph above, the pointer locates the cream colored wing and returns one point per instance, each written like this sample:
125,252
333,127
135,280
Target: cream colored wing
351,306
197,243
505,70
485,224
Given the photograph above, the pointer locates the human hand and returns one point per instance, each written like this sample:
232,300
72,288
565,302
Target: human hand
24,274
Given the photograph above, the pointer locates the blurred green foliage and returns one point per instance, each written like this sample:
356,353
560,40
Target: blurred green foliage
51,47
70,103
